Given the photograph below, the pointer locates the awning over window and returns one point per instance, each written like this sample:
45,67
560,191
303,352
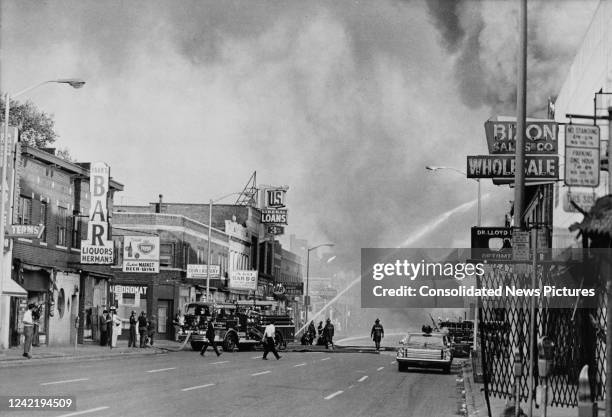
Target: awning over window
11,288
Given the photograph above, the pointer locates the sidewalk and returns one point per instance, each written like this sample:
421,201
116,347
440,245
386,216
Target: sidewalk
86,351
474,403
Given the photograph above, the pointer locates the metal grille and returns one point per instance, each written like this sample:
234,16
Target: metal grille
504,327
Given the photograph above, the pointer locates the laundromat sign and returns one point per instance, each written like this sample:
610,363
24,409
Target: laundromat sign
129,289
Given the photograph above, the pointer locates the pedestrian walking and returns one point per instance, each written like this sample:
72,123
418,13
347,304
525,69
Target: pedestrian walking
28,330
133,325
377,333
328,334
210,339
36,312
142,329
103,329
151,328
268,341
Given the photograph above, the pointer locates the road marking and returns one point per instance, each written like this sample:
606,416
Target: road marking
381,368
160,370
65,381
393,363
78,413
261,373
324,359
216,363
301,364
363,378
329,397
197,386
256,357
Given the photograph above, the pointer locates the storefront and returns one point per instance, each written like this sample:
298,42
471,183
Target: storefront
18,303
94,290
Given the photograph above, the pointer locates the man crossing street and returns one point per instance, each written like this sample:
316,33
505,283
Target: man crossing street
268,341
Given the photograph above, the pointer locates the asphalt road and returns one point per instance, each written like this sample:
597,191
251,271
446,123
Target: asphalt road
237,384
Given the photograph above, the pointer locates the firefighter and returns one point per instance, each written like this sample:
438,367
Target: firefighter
377,333
328,334
312,332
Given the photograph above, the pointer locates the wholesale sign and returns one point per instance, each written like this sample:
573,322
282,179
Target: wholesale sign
98,249
141,254
243,280
582,155
537,167
540,137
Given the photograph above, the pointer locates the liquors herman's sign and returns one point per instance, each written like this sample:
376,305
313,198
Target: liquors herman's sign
98,249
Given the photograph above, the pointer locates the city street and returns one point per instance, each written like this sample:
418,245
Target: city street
183,384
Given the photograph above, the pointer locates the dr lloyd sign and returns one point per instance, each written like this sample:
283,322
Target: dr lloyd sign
97,249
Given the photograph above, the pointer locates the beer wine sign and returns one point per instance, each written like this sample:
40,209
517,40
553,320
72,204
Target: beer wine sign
98,249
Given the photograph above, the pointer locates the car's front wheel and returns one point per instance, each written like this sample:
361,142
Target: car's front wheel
402,367
446,369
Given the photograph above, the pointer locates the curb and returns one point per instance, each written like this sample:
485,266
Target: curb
8,363
473,403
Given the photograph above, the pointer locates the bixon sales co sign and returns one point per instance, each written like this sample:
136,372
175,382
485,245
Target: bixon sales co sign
540,137
98,249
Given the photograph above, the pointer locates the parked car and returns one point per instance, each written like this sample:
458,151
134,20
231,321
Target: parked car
425,350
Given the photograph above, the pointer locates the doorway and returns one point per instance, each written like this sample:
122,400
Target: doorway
164,319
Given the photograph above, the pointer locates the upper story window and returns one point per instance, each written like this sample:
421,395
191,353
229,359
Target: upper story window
24,210
166,254
76,231
62,227
43,219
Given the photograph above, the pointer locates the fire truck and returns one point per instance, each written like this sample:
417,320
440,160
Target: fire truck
237,325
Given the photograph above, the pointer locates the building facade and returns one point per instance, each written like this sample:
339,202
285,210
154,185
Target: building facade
53,193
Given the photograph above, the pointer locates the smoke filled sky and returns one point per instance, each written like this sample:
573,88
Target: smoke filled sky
344,101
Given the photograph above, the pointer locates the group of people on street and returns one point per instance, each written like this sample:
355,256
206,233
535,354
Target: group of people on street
111,324
325,334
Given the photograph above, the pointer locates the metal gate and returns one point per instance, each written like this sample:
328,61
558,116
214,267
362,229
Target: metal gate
505,332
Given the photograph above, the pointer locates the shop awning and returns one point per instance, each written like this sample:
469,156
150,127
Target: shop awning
11,288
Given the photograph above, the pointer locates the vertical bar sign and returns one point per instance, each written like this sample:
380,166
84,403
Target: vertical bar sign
97,249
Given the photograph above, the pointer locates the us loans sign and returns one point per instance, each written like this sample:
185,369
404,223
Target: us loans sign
97,249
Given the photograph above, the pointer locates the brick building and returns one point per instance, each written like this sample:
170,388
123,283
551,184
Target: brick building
55,193
183,241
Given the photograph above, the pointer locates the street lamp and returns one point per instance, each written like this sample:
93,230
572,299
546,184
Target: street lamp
73,82
307,274
210,206
435,168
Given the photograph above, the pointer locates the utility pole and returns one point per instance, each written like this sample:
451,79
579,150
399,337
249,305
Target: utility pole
521,104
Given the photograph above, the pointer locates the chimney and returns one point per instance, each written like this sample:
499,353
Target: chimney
158,206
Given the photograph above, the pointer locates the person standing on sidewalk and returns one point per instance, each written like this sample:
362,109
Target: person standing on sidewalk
268,341
133,323
152,328
210,336
115,323
377,333
142,329
103,329
28,330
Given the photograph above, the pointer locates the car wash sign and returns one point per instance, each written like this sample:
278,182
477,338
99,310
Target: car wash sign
98,249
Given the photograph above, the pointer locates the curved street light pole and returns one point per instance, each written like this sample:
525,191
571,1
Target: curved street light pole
307,275
210,206
73,82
